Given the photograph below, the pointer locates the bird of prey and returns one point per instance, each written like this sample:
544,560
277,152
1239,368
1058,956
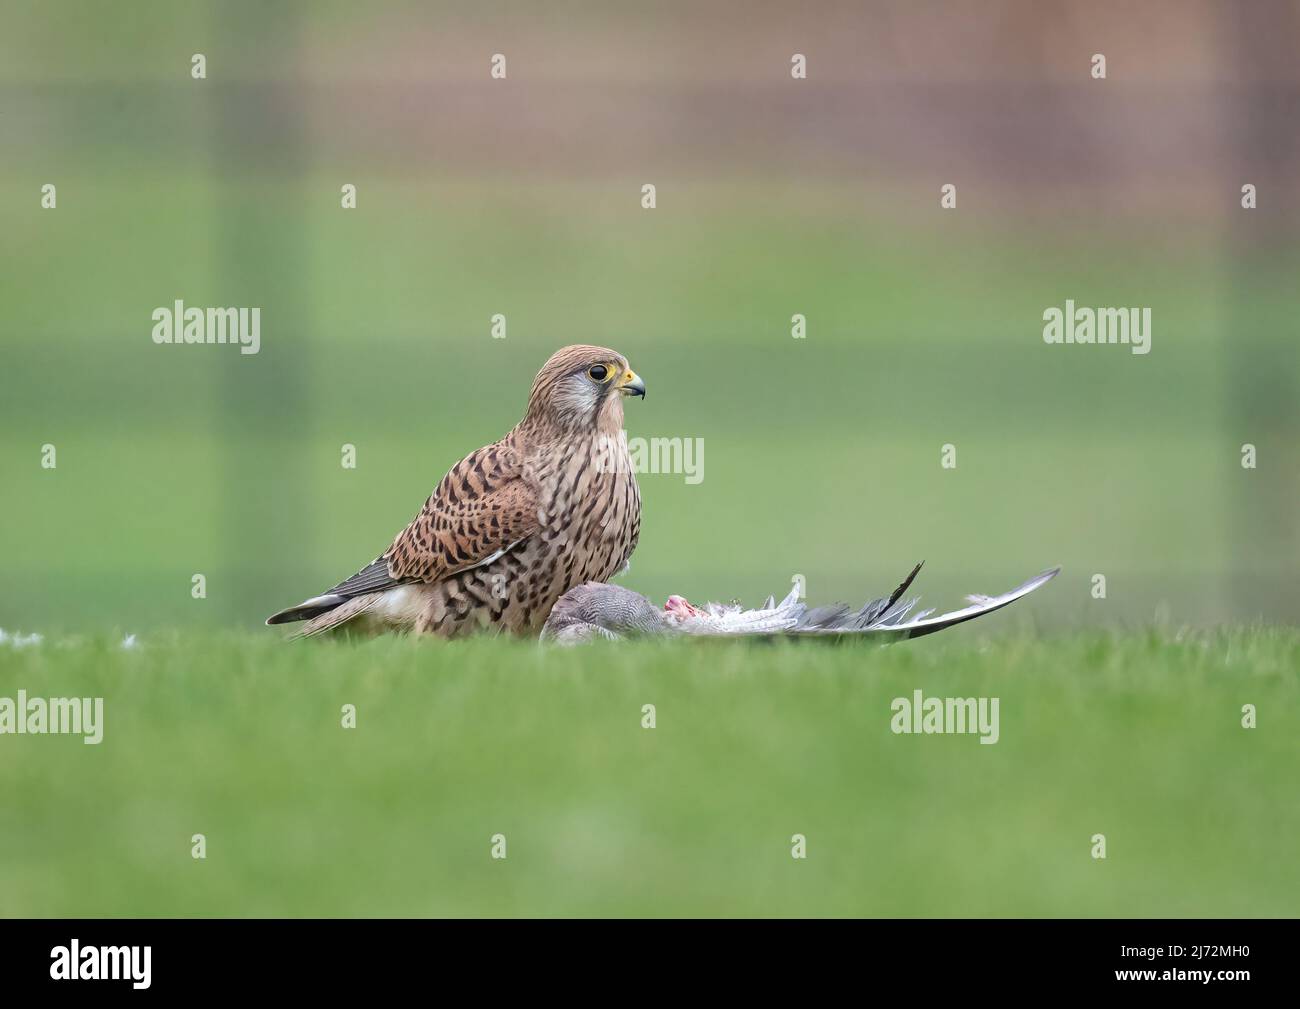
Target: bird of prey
513,526
594,611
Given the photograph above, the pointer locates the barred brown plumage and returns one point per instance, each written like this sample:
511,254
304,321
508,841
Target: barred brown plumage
514,525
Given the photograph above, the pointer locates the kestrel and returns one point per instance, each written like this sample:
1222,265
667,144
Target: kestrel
513,526
592,612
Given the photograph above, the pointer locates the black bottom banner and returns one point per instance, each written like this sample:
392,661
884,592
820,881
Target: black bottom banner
367,957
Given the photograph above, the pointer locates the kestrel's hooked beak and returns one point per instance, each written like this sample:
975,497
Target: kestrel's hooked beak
631,385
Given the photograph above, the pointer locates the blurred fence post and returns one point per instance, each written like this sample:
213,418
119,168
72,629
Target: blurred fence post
261,261
1261,345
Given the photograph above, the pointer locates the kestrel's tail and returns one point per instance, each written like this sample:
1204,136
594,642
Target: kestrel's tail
336,616
373,578
306,610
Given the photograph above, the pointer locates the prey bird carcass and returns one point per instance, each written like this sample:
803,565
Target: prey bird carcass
598,610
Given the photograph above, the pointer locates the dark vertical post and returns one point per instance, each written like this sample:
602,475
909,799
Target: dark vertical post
259,167
1261,341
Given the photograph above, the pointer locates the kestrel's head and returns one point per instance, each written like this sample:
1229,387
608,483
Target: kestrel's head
582,388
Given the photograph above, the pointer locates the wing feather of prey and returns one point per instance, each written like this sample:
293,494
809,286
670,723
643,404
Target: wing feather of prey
894,625
739,622
886,619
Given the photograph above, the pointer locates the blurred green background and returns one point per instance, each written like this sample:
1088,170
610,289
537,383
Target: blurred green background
775,196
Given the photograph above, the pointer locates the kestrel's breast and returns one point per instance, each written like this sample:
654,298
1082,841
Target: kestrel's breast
591,520
589,513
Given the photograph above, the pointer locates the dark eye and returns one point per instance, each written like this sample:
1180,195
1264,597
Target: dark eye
598,372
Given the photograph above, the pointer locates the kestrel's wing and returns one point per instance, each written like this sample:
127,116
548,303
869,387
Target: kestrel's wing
481,509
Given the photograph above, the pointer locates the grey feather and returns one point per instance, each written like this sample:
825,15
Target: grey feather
894,623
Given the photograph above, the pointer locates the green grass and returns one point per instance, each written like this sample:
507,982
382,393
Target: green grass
1135,735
